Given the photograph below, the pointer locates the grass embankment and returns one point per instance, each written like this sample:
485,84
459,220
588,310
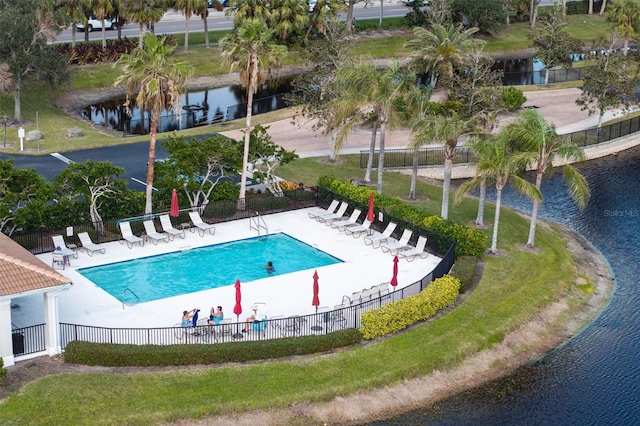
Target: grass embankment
513,289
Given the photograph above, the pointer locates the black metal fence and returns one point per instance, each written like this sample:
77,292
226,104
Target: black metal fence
559,75
28,340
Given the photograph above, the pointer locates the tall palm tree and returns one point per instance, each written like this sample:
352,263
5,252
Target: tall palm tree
76,11
499,164
102,9
420,119
625,15
143,12
155,82
188,8
532,134
242,10
252,51
369,89
203,12
440,50
288,17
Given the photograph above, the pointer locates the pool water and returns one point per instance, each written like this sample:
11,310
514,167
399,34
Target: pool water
173,274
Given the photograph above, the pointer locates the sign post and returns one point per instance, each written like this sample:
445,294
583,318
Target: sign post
21,136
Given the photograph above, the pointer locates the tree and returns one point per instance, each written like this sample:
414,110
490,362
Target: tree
487,15
553,42
625,15
243,10
368,89
288,18
196,165
251,50
26,27
188,8
324,13
143,12
531,134
75,9
96,183
440,50
499,164
266,156
439,12
203,12
611,83
102,9
156,82
533,13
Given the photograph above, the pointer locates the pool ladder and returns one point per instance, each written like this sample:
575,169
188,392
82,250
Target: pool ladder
257,222
130,291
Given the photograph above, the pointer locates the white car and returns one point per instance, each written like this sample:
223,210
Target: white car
96,24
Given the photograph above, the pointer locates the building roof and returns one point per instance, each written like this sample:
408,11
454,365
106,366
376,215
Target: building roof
21,271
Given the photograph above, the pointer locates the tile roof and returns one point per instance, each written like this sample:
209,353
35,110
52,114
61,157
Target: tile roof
21,271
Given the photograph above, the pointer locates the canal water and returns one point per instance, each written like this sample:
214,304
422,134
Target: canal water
594,379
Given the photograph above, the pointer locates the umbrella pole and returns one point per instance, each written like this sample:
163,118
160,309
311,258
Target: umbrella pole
238,334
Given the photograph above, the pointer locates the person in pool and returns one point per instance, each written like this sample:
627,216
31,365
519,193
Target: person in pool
215,316
270,268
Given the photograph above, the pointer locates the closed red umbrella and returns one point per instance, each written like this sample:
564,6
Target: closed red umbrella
175,209
370,215
394,280
316,289
237,309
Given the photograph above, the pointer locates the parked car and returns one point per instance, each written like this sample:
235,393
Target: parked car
225,3
96,24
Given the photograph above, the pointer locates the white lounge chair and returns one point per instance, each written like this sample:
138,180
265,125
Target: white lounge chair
127,234
379,238
329,210
336,216
358,230
396,245
352,221
202,226
153,234
410,253
61,247
168,228
89,246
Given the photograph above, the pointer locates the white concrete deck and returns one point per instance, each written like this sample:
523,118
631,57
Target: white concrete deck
288,294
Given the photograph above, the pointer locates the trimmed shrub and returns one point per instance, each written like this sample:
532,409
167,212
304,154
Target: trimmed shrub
3,371
115,355
397,316
469,241
513,98
268,203
225,208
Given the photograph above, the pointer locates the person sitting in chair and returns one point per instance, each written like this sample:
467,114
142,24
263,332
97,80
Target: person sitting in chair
187,316
256,317
216,316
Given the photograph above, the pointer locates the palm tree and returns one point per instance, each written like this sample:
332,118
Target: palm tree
288,17
143,12
188,8
102,9
242,10
498,163
251,50
532,134
420,120
440,50
203,12
368,89
76,11
156,82
625,15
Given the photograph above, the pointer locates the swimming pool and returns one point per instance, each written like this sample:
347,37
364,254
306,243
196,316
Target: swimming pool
173,274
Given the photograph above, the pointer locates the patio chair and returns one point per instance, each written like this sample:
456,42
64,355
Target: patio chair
379,238
202,226
168,228
338,321
89,246
395,246
340,225
358,230
61,247
127,234
225,328
335,216
153,234
410,253
329,210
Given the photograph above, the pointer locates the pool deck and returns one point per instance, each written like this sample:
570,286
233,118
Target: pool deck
288,294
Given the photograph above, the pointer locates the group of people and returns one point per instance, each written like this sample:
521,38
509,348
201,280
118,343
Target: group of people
215,316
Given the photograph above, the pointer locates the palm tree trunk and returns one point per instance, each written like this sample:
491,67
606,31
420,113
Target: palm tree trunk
546,76
496,219
534,212
590,12
141,33
17,105
446,185
186,34
383,131
372,149
206,30
247,129
414,175
148,206
73,35
604,5
333,154
483,197
104,35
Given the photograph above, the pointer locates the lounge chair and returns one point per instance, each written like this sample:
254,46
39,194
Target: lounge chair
202,226
89,246
358,230
329,210
379,238
127,234
410,253
340,225
395,246
61,247
335,216
153,234
168,228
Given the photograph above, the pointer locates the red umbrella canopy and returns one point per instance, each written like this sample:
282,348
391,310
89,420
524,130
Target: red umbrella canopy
175,209
316,289
394,280
237,309
370,215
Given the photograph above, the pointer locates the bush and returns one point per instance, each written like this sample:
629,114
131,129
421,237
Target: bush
469,241
226,190
396,316
225,208
3,371
268,203
114,355
513,98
